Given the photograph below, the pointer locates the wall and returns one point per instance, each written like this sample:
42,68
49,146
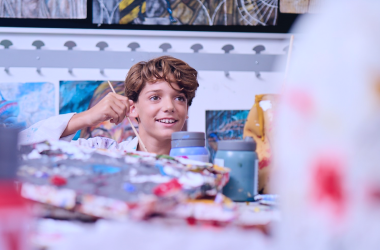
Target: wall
216,90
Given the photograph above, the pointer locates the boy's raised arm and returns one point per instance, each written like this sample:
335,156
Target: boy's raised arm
112,107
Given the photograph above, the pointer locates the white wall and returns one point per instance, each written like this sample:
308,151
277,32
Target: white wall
216,90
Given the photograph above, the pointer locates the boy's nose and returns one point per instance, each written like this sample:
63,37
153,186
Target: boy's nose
168,106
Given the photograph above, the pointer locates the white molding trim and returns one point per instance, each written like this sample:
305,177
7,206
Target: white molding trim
148,33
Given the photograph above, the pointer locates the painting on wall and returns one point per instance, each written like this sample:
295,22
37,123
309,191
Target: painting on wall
44,9
23,104
186,12
224,125
299,6
79,96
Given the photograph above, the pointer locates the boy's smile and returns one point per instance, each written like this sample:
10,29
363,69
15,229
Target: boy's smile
167,120
161,110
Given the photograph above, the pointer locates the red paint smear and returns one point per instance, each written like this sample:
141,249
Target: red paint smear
7,106
58,180
166,188
374,195
301,101
328,182
12,240
191,221
11,198
264,162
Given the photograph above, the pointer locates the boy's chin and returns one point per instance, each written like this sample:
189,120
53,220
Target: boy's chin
166,134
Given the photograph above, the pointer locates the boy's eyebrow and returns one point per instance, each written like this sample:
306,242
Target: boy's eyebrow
160,90
154,90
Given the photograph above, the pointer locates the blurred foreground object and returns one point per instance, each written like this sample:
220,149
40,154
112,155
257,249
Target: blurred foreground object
327,132
13,214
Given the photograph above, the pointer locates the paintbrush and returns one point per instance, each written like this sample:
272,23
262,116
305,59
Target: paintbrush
133,127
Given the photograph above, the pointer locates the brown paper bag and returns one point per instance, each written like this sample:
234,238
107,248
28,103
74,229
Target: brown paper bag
259,125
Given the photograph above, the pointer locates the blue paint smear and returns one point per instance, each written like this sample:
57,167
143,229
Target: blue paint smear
160,167
129,187
104,169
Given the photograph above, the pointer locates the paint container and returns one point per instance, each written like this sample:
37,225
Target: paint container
190,145
241,158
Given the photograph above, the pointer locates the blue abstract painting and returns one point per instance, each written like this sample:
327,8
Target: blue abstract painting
23,104
223,125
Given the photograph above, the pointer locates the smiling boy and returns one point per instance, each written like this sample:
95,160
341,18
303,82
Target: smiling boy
158,94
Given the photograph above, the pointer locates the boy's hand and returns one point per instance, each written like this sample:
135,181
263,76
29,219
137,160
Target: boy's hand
112,107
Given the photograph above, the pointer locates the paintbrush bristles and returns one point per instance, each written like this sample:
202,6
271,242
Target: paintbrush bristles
130,122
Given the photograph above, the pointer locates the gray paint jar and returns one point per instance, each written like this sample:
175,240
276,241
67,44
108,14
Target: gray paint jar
190,145
241,158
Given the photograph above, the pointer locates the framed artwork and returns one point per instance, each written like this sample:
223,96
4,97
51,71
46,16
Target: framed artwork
46,9
299,6
223,125
186,12
261,16
23,104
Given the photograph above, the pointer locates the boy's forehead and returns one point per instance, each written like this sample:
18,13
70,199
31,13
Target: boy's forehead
160,85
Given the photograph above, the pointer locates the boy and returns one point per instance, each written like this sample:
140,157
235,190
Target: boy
158,94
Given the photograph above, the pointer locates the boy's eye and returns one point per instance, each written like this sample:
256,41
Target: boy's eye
154,98
181,98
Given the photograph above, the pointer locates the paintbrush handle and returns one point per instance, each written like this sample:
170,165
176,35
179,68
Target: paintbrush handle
137,134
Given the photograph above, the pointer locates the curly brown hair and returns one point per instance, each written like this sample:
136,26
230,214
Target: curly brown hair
167,68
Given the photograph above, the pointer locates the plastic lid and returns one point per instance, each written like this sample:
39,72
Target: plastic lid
188,139
8,153
184,135
248,144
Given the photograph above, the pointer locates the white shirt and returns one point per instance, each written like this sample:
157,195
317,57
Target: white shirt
52,128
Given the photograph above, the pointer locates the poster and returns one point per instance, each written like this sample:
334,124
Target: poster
23,104
223,125
44,9
79,96
186,12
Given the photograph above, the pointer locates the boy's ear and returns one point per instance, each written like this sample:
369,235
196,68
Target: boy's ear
133,111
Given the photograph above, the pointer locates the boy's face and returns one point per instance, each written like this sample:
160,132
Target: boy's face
161,110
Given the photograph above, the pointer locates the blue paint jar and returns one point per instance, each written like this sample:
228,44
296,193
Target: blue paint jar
190,145
241,158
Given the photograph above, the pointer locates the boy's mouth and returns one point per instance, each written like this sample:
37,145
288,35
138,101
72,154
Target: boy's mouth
167,121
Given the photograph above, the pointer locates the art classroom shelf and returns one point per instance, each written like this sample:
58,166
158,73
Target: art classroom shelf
70,58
